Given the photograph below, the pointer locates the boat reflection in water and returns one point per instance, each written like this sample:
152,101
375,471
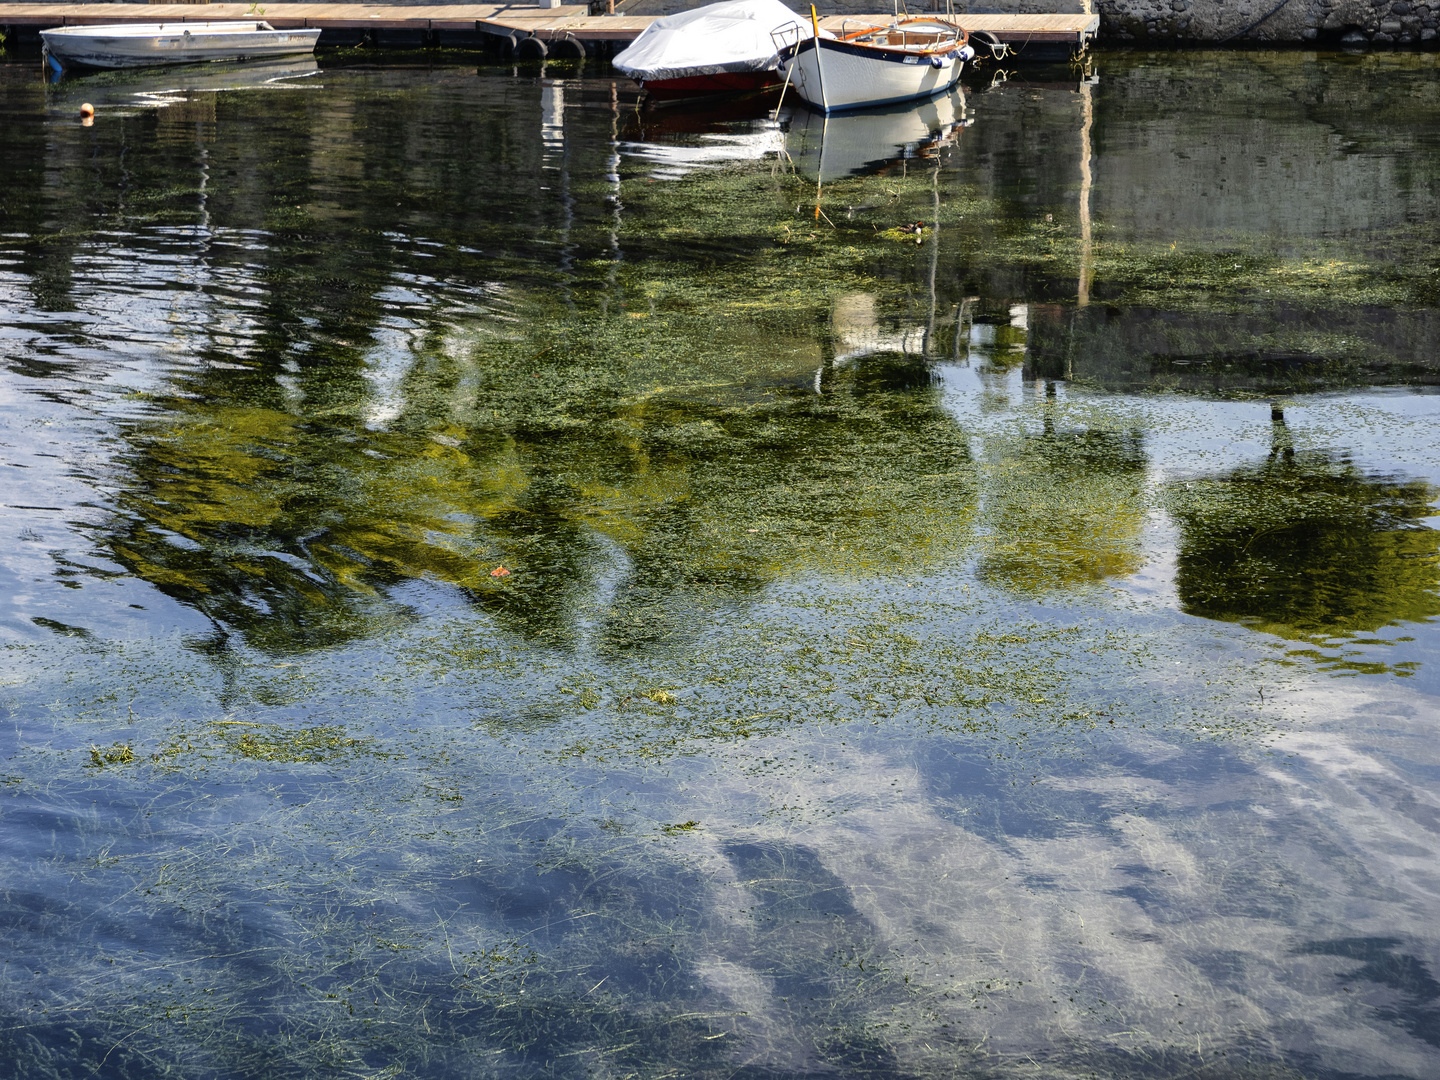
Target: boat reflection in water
681,139
820,147
850,144
159,87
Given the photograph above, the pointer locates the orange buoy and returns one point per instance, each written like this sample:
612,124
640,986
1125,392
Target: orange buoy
87,109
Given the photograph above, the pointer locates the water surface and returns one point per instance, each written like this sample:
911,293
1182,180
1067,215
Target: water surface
499,579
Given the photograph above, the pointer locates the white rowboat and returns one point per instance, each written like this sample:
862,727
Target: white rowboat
877,65
149,44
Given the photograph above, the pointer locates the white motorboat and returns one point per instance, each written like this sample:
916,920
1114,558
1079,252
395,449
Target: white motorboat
150,44
876,65
723,47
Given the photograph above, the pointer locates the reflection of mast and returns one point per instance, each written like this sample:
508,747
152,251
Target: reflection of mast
962,310
820,175
552,135
934,254
206,234
1087,121
616,256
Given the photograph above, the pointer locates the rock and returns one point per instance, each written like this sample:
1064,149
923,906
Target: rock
1309,33
1390,26
1382,38
1354,38
1401,8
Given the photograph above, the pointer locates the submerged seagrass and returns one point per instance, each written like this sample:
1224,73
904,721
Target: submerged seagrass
1010,653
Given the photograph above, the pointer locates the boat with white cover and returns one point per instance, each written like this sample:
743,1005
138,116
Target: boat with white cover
731,46
876,65
150,44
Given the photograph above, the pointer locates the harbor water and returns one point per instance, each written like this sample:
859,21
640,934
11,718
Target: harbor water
499,579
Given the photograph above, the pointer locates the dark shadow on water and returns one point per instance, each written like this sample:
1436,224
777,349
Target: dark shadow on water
1263,347
1002,802
1383,963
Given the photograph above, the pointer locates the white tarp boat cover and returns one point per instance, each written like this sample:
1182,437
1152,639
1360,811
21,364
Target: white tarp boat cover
733,36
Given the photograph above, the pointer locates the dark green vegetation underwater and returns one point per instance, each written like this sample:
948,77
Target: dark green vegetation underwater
503,581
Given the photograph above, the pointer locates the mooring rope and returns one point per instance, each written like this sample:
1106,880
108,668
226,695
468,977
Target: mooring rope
1253,25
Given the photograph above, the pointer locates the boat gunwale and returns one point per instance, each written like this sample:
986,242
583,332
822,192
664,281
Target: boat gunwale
144,30
961,38
889,53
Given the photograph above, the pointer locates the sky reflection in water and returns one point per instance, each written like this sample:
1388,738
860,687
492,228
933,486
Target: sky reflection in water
1008,654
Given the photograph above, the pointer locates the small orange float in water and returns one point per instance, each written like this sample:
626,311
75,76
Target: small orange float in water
499,571
87,109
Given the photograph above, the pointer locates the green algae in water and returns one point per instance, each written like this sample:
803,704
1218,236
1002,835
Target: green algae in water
806,732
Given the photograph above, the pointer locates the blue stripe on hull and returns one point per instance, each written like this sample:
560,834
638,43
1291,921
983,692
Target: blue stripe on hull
862,106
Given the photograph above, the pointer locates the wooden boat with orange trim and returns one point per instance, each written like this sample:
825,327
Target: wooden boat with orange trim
876,65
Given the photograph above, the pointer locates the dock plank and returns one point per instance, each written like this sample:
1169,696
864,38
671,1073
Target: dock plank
571,19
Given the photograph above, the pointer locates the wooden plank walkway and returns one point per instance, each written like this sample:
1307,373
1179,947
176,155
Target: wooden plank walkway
574,20
283,16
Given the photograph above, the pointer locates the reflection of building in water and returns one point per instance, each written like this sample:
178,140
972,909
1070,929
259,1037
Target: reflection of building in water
1248,245
1173,162
996,344
1261,347
552,119
858,333
1059,507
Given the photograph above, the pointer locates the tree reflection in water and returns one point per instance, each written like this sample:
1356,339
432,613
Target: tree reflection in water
296,532
1307,545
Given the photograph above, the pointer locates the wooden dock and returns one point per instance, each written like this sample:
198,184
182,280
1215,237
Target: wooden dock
460,23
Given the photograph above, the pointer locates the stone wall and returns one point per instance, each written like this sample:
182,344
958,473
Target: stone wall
1348,22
